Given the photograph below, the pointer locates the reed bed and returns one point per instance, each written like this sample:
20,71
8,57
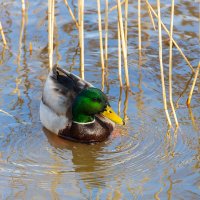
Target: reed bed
167,31
122,34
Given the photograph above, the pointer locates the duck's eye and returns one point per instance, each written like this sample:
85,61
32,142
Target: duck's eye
96,99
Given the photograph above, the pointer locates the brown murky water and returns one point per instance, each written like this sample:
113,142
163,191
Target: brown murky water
139,161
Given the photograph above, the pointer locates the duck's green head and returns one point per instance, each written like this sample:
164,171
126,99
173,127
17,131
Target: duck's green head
92,101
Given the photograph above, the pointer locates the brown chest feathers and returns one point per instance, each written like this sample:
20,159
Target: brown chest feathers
87,133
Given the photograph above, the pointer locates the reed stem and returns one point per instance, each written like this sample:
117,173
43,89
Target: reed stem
119,57
106,33
151,17
124,49
139,25
126,22
193,85
100,34
6,113
52,25
30,48
23,7
71,13
170,62
115,7
3,36
81,35
51,6
165,28
161,64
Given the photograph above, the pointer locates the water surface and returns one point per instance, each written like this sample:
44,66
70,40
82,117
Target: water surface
141,160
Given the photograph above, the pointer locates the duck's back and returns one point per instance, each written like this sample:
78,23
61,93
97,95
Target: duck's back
59,92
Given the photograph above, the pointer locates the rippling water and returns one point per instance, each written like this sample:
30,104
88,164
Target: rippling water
143,159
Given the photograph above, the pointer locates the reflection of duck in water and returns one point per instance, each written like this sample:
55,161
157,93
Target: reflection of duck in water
73,109
84,158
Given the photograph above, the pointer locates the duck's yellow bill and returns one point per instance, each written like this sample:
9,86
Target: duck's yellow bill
110,114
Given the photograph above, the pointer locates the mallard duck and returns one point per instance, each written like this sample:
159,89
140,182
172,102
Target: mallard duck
74,109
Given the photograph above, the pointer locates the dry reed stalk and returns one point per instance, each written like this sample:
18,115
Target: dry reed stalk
170,62
106,33
193,84
119,57
161,64
151,17
81,35
100,34
52,23
50,31
139,25
23,7
6,113
115,7
124,49
71,13
30,48
3,36
49,24
177,46
126,21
